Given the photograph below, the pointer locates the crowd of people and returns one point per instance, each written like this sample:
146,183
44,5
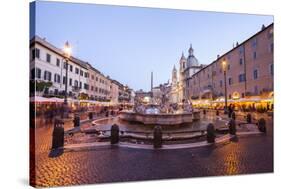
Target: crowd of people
45,114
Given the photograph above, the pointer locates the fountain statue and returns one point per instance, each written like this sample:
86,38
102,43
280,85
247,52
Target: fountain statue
161,112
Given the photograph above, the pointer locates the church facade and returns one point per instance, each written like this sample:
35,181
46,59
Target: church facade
188,66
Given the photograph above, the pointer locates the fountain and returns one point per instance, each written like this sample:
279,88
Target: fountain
159,111
155,122
164,114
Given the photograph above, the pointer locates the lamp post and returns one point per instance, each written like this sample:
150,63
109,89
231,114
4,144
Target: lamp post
67,54
224,64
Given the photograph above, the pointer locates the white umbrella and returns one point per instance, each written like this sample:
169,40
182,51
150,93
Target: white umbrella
55,99
38,99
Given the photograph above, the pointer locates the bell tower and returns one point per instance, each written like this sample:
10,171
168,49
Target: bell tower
174,76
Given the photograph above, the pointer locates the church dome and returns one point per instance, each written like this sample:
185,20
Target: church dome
191,59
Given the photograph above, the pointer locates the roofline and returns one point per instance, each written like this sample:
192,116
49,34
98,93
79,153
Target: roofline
49,46
243,43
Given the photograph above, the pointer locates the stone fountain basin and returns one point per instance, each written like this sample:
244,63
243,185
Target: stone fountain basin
160,119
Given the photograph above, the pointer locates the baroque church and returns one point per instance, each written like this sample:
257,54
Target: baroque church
187,67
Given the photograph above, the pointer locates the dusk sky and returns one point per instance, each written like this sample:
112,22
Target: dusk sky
127,43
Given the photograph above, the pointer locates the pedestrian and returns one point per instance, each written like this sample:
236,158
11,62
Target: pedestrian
229,111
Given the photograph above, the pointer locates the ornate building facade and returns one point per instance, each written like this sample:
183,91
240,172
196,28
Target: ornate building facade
187,68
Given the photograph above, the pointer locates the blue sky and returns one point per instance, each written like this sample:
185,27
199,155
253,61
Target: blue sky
127,43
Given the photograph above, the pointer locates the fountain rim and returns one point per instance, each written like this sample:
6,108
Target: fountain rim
160,114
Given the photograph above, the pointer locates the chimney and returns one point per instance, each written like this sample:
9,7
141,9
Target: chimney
218,56
263,27
237,44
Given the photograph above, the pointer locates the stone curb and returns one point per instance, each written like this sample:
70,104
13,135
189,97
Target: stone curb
107,145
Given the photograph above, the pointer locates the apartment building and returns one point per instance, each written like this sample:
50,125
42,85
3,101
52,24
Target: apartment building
248,68
48,64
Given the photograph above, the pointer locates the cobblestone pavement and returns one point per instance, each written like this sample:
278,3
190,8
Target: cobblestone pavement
247,155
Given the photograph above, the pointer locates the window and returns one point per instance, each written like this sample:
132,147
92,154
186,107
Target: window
228,56
80,85
92,88
254,43
81,72
271,47
255,74
242,78
229,81
70,68
255,55
50,76
241,61
86,74
38,73
241,50
220,83
57,78
76,70
47,76
97,78
70,82
64,65
256,90
86,86
271,69
76,83
48,58
33,54
63,80
270,33
33,73
37,53
58,62
96,89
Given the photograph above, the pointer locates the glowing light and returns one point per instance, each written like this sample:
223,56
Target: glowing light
224,64
67,49
235,95
146,99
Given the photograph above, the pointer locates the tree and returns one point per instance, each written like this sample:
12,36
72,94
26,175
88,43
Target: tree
39,86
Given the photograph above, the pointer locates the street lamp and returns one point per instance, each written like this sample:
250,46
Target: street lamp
224,64
67,54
